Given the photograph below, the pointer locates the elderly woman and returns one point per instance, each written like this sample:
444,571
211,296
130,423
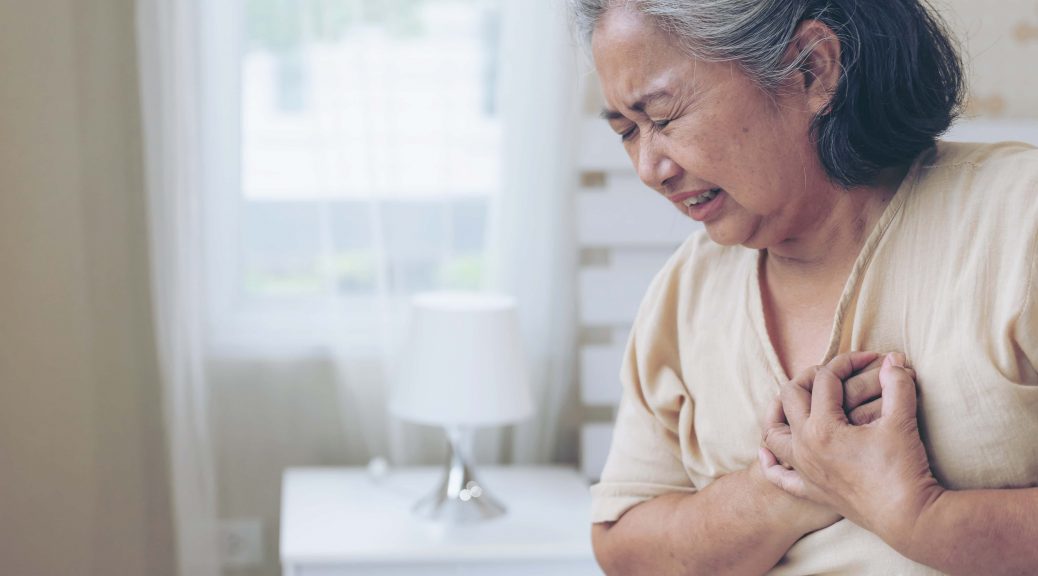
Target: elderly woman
843,243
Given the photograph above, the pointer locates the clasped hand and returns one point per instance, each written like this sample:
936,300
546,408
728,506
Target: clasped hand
829,439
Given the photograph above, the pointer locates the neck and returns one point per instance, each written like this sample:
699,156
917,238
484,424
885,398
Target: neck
832,236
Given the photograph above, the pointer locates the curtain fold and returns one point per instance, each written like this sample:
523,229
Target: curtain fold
169,74
533,250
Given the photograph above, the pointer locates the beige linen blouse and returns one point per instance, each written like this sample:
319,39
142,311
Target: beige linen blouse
947,276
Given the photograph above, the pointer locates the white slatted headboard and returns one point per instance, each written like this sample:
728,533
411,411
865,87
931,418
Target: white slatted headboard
627,232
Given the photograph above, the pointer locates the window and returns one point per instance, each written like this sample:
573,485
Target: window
370,155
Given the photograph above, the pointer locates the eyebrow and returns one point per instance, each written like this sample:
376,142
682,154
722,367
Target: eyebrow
638,106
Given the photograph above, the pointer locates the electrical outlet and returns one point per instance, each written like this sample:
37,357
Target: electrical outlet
241,542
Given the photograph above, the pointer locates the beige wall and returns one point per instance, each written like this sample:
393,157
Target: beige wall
83,485
266,417
1000,42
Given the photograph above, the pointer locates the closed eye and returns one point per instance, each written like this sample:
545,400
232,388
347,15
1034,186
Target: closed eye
660,124
628,134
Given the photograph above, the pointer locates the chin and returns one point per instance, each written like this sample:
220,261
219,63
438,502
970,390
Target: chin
726,235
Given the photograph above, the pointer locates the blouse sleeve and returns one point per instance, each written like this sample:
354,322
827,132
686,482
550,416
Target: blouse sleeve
1026,324
1027,329
645,457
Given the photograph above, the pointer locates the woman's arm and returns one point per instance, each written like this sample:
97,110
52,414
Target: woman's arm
977,532
739,524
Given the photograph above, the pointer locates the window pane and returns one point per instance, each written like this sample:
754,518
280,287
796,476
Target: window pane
364,98
468,226
370,145
415,230
280,248
351,226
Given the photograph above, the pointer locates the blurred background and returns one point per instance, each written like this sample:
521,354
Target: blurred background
213,214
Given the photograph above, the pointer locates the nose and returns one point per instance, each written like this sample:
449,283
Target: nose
654,165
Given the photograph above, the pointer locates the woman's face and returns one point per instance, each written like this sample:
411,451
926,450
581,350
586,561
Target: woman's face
694,127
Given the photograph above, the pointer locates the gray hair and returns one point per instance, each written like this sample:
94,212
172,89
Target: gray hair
901,85
751,33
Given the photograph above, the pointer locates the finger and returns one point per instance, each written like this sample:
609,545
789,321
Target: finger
864,387
767,458
787,480
827,397
806,378
774,415
899,389
796,402
861,388
844,365
795,396
866,413
779,440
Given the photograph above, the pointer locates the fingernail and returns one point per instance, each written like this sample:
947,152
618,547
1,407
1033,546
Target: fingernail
896,359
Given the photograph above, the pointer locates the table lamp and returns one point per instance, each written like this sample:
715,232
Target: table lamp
463,368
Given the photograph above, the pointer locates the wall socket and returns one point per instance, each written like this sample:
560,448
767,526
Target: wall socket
241,542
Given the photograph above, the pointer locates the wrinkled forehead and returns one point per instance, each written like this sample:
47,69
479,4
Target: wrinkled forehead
623,28
634,57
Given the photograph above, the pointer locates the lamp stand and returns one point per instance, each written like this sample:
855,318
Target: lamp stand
460,497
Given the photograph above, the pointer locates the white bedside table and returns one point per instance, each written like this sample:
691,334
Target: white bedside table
341,521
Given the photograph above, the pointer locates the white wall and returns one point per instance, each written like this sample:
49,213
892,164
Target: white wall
83,485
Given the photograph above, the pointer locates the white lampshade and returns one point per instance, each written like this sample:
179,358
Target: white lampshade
464,363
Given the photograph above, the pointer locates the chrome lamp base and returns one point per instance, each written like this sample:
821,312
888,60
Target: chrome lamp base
460,497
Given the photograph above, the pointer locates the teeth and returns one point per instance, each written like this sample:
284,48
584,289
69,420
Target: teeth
704,197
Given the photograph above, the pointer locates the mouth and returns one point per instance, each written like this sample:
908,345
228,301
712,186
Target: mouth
701,207
702,198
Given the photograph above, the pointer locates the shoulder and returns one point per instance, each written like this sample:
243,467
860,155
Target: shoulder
699,279
974,207
963,168
983,187
949,153
697,269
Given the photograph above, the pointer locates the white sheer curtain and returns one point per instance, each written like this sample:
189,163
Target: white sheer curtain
534,247
308,244
169,68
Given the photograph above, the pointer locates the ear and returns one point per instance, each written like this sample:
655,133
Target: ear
818,49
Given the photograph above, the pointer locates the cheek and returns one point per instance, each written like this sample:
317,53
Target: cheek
771,156
735,144
701,154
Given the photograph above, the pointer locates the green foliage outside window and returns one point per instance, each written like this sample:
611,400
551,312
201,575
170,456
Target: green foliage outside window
282,25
